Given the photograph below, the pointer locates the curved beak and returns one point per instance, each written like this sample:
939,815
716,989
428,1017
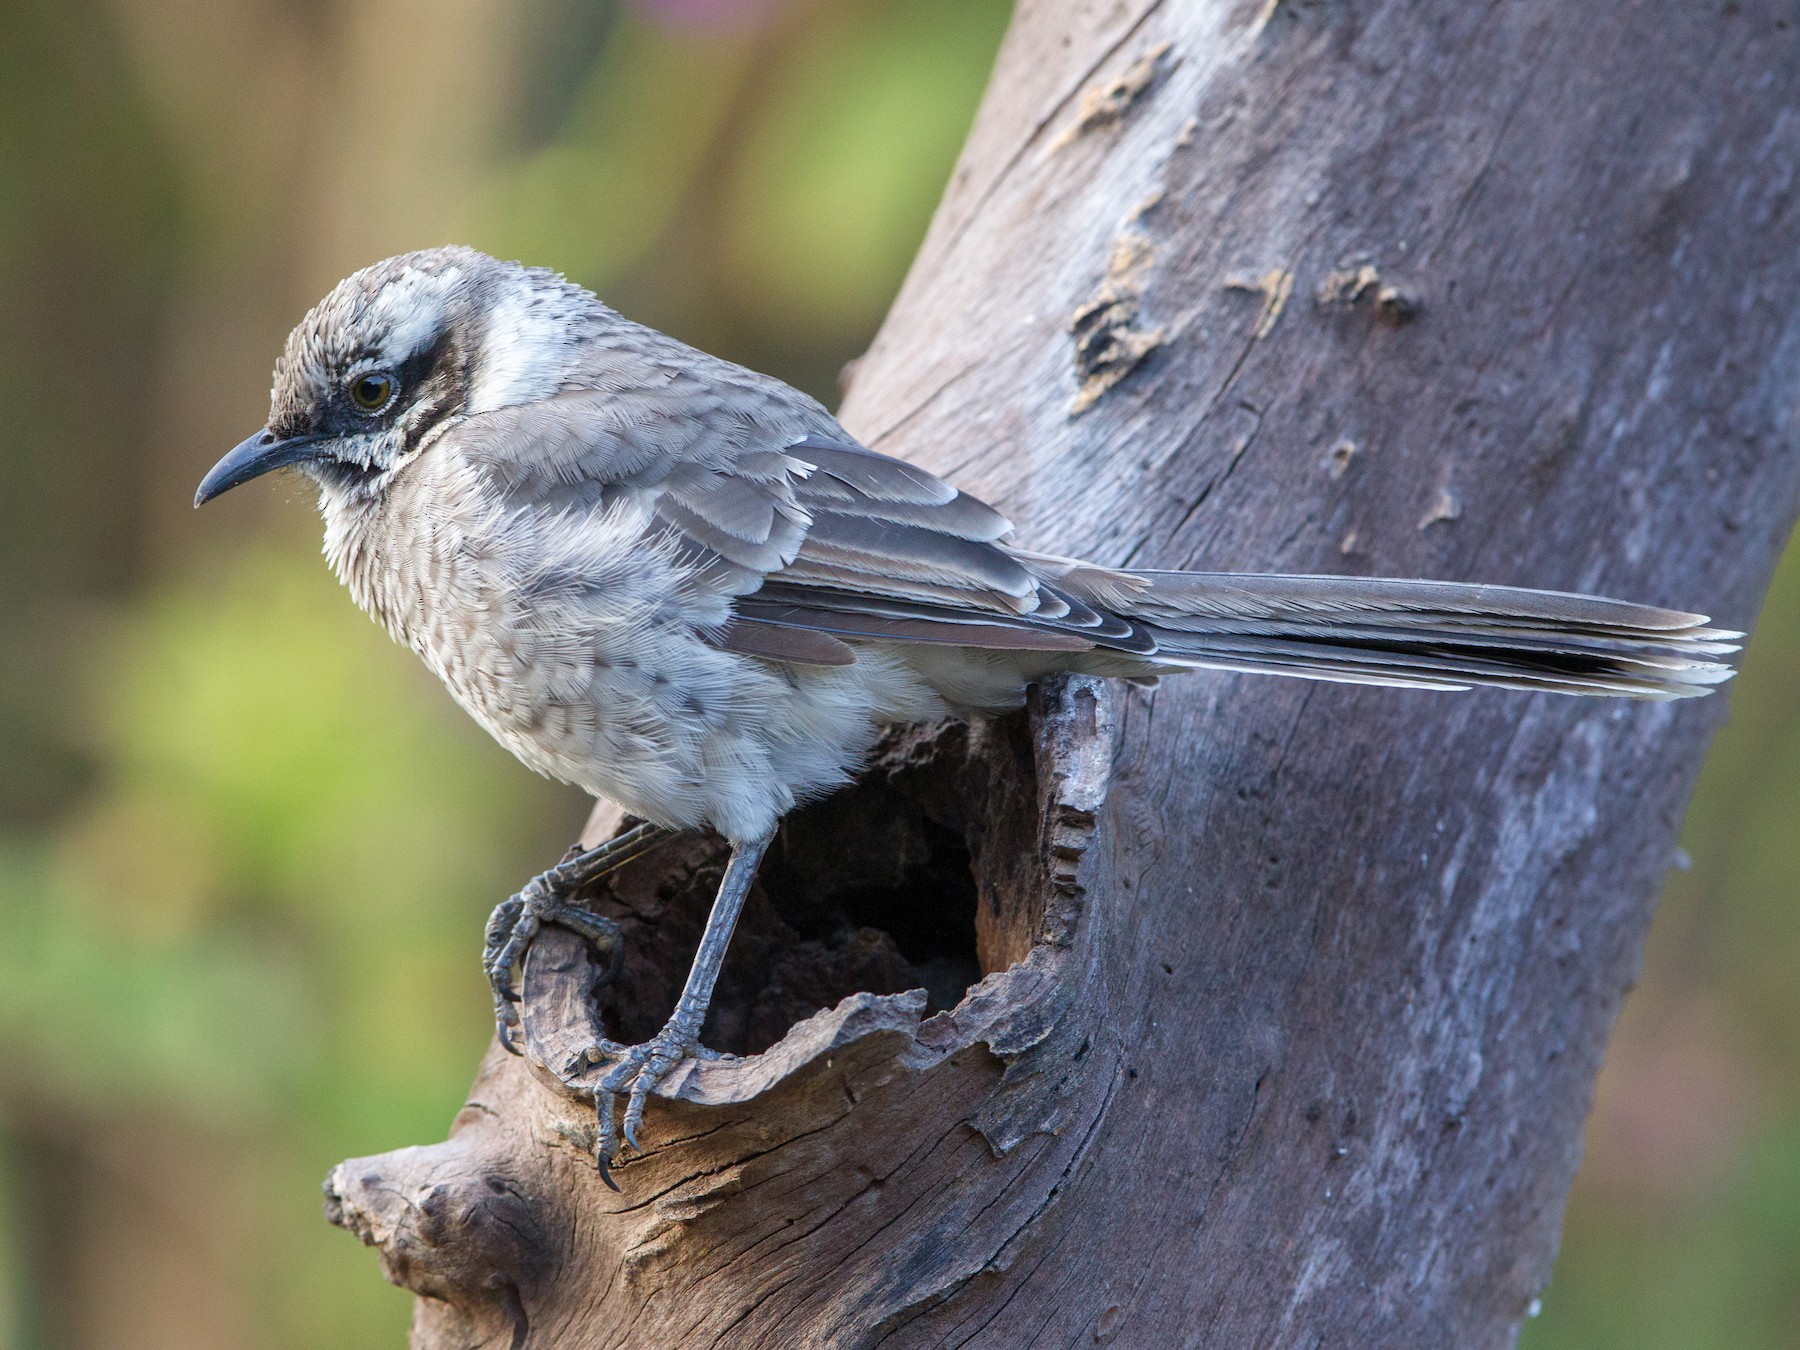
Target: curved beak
253,458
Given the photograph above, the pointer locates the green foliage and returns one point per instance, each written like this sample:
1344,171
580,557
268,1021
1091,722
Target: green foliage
1719,1274
265,921
597,197
838,177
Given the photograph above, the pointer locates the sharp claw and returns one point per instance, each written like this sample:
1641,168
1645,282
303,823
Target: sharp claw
508,936
501,983
606,1136
636,1074
605,1140
634,1113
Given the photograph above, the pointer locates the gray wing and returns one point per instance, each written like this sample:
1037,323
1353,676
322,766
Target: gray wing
871,547
816,538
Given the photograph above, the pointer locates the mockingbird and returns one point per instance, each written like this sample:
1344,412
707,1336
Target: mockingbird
682,586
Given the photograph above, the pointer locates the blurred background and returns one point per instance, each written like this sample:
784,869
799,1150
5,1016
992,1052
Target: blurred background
247,846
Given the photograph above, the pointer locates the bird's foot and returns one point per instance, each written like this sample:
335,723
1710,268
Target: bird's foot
515,922
514,926
634,1071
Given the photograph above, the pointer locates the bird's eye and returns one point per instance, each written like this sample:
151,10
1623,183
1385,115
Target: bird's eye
372,391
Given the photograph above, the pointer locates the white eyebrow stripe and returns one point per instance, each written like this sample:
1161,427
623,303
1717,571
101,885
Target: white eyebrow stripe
413,305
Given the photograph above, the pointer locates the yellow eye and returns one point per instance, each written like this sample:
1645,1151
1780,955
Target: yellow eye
372,392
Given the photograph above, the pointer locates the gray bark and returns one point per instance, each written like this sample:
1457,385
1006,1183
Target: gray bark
1295,993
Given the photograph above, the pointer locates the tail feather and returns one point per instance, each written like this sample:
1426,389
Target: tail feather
1536,637
1422,666
1420,634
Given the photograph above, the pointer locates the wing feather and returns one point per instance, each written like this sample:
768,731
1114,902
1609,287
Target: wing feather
955,632
869,544
877,477
782,642
819,515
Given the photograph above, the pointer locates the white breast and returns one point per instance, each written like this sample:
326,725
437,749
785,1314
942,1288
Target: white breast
576,640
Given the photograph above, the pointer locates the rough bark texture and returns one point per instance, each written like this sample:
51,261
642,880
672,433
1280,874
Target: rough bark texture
1311,982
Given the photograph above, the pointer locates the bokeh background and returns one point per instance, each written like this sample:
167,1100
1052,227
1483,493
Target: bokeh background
246,845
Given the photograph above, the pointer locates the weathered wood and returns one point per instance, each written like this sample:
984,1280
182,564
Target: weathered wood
1500,292
1004,1075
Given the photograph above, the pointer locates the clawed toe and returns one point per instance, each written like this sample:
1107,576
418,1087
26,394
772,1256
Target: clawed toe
511,929
515,922
635,1071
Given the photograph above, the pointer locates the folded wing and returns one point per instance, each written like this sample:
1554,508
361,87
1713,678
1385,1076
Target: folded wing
823,544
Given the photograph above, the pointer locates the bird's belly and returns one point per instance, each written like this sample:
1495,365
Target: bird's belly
596,674
678,732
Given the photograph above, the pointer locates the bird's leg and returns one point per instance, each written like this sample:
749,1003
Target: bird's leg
636,1069
545,899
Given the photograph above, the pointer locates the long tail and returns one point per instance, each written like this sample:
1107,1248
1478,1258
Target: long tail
1417,634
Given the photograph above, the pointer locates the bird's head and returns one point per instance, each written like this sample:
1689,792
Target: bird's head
393,354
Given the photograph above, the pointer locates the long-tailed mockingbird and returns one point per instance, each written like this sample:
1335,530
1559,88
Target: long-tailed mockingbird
684,587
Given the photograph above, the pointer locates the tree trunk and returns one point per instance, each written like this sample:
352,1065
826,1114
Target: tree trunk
1292,996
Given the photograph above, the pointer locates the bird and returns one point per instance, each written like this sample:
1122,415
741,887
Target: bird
683,587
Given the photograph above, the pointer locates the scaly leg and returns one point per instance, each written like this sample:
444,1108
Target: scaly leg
545,899
636,1069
